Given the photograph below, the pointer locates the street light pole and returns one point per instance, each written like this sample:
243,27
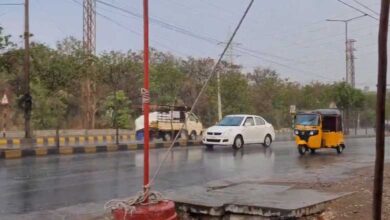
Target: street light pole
347,78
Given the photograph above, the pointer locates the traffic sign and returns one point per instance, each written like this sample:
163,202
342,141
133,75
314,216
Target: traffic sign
293,109
4,100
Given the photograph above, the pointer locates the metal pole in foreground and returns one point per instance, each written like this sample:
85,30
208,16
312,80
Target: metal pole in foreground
27,109
380,111
146,96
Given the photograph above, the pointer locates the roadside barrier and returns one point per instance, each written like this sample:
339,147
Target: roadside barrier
14,153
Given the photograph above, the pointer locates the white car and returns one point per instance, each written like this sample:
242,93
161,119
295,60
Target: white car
235,130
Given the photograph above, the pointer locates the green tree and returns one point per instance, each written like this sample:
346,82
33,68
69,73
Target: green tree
116,110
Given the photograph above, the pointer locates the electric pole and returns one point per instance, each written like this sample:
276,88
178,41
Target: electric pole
231,56
351,61
89,45
27,99
380,111
348,78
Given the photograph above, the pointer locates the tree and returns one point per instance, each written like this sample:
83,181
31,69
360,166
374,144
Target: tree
116,110
4,40
348,99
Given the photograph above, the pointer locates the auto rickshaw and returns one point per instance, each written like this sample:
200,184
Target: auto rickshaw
322,128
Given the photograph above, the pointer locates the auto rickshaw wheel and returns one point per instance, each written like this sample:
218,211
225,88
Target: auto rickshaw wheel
312,151
339,149
302,149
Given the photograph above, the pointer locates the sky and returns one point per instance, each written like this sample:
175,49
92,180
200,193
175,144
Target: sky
290,36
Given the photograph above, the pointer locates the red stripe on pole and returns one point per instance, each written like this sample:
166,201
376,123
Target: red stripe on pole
146,87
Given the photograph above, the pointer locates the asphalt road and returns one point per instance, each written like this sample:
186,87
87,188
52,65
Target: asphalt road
38,184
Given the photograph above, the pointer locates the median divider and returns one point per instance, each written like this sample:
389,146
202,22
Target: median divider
42,151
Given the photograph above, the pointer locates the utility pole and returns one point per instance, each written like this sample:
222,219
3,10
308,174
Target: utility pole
89,45
351,61
27,99
380,111
231,55
348,78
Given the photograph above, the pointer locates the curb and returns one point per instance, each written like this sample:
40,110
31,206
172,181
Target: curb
89,149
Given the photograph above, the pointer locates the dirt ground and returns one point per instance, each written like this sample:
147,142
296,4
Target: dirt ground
358,205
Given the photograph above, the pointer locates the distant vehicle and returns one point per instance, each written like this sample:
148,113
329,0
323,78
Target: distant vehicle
165,123
321,128
237,130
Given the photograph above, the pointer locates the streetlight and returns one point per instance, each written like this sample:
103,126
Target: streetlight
346,40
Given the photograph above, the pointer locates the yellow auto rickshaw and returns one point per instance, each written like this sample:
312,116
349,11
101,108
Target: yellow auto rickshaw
322,128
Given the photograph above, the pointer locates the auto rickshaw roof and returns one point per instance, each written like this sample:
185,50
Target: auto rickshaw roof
329,112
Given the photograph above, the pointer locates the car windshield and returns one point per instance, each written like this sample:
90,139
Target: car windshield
308,119
231,121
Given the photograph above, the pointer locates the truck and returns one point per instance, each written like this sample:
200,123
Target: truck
166,122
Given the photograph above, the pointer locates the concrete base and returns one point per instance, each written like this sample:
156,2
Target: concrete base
249,201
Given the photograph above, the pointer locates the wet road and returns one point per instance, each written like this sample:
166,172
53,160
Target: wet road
36,184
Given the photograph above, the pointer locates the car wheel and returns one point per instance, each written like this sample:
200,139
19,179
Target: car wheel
238,142
209,146
193,136
339,149
167,137
267,141
302,149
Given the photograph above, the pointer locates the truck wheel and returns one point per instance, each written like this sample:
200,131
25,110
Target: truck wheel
193,136
302,149
184,135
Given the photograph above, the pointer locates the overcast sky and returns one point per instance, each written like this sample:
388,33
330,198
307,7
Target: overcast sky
291,36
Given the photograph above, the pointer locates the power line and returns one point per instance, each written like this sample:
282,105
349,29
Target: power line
11,4
356,9
366,7
124,27
162,23
283,65
184,31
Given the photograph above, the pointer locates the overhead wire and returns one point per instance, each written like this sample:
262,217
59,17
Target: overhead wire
366,7
124,27
356,9
246,51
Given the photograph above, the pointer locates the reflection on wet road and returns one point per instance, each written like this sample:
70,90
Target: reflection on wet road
33,184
